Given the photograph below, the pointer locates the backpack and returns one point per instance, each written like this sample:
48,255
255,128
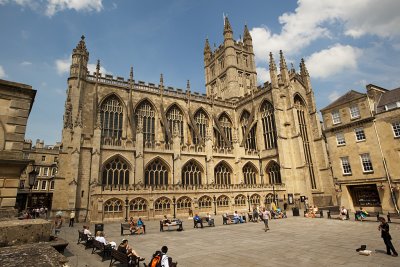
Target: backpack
156,259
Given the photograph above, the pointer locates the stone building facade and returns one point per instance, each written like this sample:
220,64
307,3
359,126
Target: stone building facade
44,159
16,102
136,149
363,137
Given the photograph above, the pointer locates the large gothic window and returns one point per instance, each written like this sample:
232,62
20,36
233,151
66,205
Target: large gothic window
268,123
226,126
240,200
162,204
115,172
274,173
183,203
175,121
249,174
250,143
111,118
145,115
156,173
301,117
138,204
255,199
204,202
222,174
223,201
113,206
201,120
191,174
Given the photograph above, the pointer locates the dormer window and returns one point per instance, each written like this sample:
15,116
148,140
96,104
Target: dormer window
392,105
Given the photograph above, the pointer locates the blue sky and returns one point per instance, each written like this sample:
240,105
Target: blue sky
346,44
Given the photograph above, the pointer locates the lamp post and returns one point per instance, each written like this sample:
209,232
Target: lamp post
32,180
248,200
174,204
273,191
215,205
126,209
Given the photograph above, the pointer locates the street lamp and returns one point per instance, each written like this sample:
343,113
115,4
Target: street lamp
215,205
126,209
248,200
273,191
174,203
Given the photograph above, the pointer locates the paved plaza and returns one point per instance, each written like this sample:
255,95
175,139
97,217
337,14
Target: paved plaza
295,241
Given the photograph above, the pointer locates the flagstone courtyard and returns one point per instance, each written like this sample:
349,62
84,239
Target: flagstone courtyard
295,241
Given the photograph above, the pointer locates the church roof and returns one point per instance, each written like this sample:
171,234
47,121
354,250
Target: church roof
349,96
389,97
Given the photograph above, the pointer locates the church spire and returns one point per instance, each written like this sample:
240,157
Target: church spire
303,69
80,58
228,33
207,50
161,86
247,40
272,71
283,68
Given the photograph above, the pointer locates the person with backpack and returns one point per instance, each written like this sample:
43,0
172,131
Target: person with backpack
160,258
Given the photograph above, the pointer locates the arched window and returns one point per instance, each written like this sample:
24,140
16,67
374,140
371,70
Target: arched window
268,123
301,117
204,202
156,173
115,172
162,204
201,120
138,204
175,121
240,200
222,174
255,199
191,174
249,174
250,143
145,115
226,126
183,203
223,201
113,206
269,199
111,118
274,173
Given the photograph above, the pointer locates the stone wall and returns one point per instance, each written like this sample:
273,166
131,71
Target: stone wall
18,232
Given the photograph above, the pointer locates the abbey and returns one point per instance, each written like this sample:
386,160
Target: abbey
136,149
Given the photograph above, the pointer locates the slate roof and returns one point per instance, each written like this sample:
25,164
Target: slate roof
349,96
389,97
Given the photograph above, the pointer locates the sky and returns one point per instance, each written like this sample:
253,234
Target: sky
345,44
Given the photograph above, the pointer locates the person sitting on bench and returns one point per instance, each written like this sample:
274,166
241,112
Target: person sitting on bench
126,249
197,220
343,213
237,218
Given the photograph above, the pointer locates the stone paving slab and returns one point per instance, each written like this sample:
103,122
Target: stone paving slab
295,241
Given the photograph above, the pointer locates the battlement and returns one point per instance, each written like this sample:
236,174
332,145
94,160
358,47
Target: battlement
151,87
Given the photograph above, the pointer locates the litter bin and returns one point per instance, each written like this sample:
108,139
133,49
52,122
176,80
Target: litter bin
98,227
296,211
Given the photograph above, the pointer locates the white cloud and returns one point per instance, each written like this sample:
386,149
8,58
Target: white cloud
333,96
262,75
2,73
54,6
26,63
312,20
333,60
63,65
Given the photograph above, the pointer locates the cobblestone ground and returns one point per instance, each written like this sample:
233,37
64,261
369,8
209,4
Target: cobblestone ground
295,241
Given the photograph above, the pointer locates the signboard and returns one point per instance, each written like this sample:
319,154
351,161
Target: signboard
290,199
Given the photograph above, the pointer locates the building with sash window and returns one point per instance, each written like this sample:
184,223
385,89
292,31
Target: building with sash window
131,148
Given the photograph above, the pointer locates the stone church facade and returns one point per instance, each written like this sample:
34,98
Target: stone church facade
136,149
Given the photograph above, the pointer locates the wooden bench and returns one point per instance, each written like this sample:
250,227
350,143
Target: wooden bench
392,215
205,221
230,219
84,239
178,224
105,250
122,258
170,263
371,216
336,212
126,226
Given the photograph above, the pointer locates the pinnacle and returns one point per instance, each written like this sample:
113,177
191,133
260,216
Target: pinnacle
272,65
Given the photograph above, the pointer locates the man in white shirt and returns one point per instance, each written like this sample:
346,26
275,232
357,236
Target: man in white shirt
266,215
164,258
343,213
86,231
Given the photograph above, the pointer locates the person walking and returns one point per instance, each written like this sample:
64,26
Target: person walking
266,215
71,219
384,228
